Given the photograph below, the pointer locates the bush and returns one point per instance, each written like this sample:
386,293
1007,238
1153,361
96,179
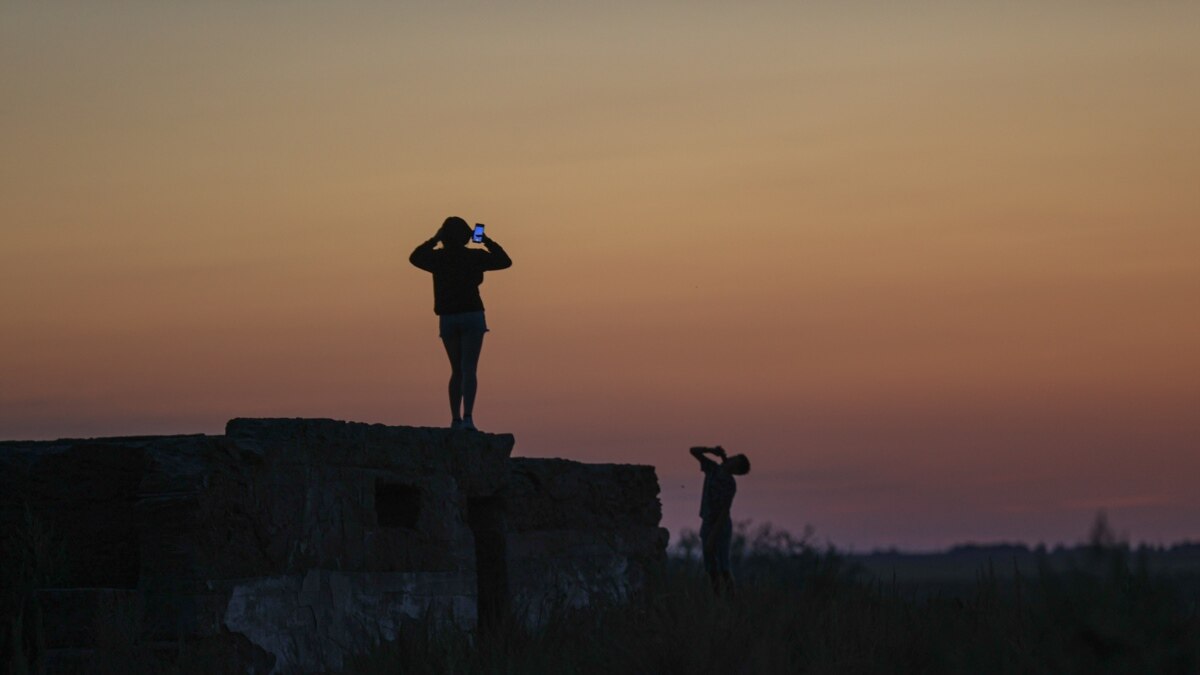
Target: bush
798,609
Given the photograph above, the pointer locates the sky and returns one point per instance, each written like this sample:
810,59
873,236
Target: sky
934,267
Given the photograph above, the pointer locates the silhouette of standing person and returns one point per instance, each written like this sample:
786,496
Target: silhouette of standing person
457,272
716,525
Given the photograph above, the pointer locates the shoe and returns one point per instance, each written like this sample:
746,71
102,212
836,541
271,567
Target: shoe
468,424
455,425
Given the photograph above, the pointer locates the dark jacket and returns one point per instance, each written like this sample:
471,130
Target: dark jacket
719,489
457,273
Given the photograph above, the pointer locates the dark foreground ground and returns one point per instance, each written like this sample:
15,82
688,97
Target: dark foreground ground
1096,608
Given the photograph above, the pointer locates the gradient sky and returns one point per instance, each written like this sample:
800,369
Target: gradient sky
934,267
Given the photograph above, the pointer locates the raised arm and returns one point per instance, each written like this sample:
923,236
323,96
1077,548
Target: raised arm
422,256
497,258
700,452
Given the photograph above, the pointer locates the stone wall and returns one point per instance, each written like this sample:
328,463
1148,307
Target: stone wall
580,533
300,542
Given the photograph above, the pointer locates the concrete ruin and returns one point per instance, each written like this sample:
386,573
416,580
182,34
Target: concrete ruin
291,545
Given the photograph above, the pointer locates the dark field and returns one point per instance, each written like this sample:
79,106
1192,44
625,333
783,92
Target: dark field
1097,608
1100,607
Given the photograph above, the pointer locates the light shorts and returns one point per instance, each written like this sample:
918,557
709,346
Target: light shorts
457,325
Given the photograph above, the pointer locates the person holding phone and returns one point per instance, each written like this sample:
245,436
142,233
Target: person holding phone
457,273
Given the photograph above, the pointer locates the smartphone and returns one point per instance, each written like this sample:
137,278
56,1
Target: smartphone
478,236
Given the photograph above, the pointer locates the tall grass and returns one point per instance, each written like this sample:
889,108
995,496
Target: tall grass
798,609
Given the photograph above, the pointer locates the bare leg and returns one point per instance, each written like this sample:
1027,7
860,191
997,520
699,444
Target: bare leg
454,352
471,346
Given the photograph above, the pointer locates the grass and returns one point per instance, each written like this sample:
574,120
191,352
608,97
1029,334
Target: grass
796,609
802,610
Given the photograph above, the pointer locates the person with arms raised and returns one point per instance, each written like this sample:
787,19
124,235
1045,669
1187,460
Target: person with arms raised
457,273
716,524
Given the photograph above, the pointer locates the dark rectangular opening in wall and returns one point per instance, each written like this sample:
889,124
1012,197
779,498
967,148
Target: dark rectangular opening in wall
485,515
397,504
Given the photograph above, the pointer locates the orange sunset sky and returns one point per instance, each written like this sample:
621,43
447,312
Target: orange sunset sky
934,266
